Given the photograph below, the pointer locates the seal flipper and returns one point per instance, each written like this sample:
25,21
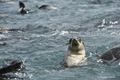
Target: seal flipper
21,4
22,9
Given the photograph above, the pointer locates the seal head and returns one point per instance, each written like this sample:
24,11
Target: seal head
76,53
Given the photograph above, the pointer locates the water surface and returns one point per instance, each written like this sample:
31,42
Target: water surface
48,32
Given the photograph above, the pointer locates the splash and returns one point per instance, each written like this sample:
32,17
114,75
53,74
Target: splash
64,32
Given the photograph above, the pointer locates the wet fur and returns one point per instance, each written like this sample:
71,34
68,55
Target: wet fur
22,9
47,7
110,56
113,53
75,55
15,65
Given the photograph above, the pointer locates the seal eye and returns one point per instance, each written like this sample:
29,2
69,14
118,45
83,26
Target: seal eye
79,39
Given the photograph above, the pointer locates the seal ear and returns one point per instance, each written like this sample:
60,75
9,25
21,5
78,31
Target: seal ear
21,4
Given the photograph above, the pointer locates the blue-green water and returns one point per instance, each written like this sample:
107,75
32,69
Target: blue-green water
48,32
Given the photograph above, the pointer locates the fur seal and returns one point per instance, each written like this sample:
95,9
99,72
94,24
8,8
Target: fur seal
16,65
112,54
22,9
9,29
47,7
76,53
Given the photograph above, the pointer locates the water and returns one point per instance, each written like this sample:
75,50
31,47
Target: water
48,31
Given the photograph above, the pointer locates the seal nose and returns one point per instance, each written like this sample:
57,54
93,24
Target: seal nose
75,42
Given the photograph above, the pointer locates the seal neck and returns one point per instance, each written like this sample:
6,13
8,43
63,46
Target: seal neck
75,50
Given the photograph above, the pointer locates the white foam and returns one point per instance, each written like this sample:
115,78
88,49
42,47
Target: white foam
30,76
56,32
64,32
2,36
11,2
99,61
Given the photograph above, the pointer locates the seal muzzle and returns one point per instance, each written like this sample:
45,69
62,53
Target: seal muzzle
75,42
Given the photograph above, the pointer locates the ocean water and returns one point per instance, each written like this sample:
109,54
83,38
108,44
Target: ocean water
48,31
